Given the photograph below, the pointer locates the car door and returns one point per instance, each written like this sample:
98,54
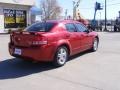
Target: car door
73,37
84,35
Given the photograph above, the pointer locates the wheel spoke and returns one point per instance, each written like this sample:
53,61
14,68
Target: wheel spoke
95,44
61,57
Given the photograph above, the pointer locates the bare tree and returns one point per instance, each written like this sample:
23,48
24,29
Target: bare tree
50,9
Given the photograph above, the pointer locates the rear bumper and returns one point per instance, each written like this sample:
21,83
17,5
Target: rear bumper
40,53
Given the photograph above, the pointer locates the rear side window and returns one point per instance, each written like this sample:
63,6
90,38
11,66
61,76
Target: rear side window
80,27
70,27
41,27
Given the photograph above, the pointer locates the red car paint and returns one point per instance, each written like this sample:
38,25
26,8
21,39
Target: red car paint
42,46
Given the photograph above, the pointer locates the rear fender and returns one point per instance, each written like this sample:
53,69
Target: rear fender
64,43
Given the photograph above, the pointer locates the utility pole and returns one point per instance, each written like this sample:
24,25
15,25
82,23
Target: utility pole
66,13
105,16
100,17
73,9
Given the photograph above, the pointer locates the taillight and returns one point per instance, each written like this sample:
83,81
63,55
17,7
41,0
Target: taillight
39,40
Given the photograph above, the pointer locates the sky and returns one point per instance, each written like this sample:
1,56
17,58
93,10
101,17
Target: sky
86,8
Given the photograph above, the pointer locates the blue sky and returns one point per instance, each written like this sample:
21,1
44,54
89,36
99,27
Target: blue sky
87,8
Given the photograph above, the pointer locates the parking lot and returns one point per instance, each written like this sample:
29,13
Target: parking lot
86,71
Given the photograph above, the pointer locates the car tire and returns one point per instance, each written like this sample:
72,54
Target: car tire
95,45
61,56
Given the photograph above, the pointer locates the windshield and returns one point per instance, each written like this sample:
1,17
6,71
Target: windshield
41,27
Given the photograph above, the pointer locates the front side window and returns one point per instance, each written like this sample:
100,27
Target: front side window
80,27
70,27
41,27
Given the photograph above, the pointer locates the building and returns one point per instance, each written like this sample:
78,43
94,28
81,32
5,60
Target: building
15,14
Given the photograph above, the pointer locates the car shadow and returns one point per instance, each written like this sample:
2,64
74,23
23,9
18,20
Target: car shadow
15,68
79,55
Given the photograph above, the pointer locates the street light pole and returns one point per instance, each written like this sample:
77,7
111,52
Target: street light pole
73,9
105,16
66,12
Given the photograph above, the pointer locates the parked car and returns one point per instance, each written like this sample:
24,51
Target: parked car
52,41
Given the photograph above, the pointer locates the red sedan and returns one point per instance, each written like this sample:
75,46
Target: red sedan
52,41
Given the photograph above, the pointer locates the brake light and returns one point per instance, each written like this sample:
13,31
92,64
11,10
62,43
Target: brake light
40,41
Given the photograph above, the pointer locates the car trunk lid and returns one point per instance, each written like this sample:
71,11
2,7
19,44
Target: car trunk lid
26,39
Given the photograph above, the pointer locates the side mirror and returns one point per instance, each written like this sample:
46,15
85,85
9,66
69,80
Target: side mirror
90,28
87,31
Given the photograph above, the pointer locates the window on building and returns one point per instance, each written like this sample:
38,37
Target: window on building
15,18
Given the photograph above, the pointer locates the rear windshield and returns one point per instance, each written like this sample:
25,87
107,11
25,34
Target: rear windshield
41,27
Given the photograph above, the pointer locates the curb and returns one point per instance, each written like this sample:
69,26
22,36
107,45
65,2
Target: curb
4,33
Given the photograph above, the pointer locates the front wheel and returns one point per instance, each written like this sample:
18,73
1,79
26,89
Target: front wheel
61,56
95,45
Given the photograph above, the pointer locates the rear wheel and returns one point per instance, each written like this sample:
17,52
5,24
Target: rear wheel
61,56
95,45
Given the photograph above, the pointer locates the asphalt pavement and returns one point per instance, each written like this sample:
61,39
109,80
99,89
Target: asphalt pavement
86,71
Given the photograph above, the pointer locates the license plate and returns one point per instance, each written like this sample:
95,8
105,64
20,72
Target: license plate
17,51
